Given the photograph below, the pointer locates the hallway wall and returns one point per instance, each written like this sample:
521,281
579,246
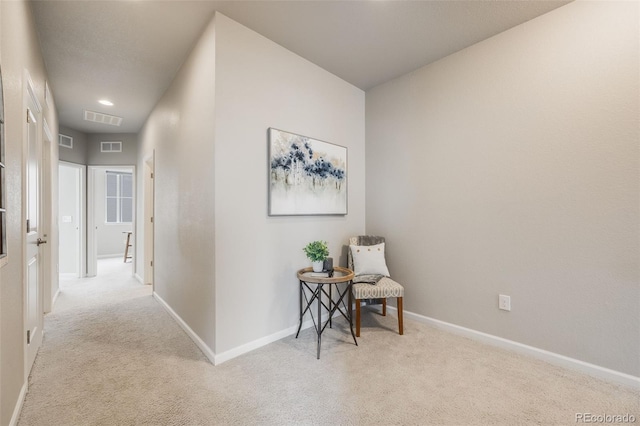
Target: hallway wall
512,167
214,238
19,50
128,156
259,84
181,130
78,153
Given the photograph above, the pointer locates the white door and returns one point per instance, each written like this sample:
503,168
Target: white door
33,277
70,219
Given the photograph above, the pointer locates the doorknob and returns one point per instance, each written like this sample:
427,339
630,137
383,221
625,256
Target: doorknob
41,241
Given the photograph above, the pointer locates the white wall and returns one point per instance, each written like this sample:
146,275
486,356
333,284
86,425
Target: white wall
216,112
181,130
259,84
512,167
20,51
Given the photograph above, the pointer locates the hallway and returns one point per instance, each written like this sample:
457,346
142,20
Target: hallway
109,351
113,356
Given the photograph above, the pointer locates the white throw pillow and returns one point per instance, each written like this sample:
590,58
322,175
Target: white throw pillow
369,260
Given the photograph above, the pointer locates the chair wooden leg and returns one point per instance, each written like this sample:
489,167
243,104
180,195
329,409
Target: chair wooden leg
357,317
400,315
384,307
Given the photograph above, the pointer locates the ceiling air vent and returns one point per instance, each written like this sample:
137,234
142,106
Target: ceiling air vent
66,141
98,117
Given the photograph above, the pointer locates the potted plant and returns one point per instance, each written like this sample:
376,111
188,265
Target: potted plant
317,252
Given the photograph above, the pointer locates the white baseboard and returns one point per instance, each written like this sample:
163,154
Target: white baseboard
263,341
237,351
138,277
18,409
550,357
110,256
68,276
206,350
55,297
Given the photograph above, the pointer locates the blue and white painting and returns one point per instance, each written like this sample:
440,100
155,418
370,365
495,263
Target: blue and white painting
306,176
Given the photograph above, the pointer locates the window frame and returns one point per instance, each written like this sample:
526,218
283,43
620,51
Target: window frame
119,197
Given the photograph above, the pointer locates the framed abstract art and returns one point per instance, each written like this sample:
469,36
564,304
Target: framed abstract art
306,176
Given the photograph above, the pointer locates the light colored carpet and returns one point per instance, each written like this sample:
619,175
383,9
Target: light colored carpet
113,356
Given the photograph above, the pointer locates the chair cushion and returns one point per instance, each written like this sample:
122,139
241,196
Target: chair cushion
386,287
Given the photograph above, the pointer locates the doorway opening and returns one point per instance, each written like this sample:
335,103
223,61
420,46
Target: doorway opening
110,215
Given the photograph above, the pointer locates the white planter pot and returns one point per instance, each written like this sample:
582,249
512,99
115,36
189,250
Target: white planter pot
317,266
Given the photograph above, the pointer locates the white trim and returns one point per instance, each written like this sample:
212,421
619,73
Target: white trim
48,227
18,408
138,277
206,350
148,230
92,243
92,239
263,341
53,300
111,256
29,95
47,94
550,357
47,131
31,92
239,350
119,197
81,170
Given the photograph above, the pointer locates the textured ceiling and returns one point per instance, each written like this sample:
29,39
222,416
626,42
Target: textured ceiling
129,51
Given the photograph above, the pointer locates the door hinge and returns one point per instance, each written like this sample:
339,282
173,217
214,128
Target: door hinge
28,226
151,219
28,337
151,175
28,116
151,263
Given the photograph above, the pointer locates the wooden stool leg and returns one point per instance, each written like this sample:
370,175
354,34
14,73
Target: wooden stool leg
384,307
400,315
357,317
126,248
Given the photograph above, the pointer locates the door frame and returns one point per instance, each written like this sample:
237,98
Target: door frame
82,243
149,212
30,96
47,215
92,239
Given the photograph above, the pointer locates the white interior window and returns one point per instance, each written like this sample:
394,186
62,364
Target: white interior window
119,197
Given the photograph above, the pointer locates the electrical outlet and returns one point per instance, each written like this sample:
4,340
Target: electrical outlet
504,302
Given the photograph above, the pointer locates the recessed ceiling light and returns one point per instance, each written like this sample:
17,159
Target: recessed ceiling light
105,102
